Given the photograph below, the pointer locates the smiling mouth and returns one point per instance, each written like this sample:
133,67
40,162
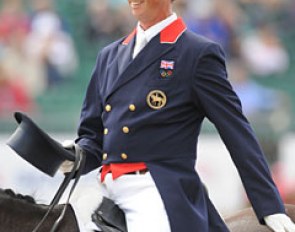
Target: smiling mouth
135,4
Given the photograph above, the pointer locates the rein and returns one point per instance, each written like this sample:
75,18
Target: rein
74,174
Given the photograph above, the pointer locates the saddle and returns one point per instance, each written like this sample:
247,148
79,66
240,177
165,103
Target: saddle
109,217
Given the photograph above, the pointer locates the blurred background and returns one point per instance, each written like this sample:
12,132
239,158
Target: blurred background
48,49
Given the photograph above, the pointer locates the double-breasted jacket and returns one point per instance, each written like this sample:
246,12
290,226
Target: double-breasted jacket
150,109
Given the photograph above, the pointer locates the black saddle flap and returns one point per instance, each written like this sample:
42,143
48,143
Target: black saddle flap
109,217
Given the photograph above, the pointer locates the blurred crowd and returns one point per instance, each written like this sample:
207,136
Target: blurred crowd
36,53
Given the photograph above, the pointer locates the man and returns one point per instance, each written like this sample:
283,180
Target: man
141,118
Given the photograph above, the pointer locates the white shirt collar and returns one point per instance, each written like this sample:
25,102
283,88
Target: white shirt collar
155,29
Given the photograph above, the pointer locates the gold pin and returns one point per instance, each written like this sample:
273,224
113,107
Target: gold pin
156,99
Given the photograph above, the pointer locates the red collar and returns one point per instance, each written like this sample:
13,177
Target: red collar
129,37
169,34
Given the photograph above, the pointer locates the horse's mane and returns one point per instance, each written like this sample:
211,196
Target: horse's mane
19,196
20,212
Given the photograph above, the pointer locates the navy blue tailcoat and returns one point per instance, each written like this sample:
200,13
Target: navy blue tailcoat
150,109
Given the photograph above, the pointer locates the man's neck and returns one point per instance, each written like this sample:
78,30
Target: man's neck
156,28
147,24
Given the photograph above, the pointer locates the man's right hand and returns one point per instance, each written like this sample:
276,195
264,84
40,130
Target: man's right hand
67,165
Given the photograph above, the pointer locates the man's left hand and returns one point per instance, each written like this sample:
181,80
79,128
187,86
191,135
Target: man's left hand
279,223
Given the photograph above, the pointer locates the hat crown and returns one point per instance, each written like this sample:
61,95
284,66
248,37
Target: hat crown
37,147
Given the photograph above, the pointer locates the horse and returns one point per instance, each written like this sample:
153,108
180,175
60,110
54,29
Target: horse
21,213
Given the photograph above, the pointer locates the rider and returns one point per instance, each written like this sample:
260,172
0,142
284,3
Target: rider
147,98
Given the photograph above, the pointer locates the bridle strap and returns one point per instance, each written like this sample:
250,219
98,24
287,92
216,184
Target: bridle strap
76,174
77,177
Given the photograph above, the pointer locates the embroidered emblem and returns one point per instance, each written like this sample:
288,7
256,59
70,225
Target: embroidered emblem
167,64
166,74
156,99
166,69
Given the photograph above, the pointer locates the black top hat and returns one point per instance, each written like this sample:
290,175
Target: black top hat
37,147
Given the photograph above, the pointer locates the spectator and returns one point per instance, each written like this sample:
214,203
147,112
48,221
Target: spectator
13,96
270,56
50,43
219,23
21,65
12,17
14,28
255,99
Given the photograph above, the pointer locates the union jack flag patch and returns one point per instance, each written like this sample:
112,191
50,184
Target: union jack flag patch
167,64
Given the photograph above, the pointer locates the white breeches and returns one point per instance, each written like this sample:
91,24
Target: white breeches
138,197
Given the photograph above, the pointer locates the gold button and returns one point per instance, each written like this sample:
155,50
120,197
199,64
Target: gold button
132,107
104,156
125,129
105,131
108,108
124,156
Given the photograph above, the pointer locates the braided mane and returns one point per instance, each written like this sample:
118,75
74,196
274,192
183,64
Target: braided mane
12,194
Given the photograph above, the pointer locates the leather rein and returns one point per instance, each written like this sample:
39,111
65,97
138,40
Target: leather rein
75,174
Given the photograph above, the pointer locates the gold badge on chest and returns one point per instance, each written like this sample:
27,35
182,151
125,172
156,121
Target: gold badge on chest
156,99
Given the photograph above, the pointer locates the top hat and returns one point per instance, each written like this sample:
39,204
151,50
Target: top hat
37,147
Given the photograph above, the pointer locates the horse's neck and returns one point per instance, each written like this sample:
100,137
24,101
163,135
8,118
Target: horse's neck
18,215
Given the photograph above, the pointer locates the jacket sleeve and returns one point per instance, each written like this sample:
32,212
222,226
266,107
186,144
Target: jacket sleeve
90,130
214,95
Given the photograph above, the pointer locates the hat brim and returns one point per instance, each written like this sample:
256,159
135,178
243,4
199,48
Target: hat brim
37,147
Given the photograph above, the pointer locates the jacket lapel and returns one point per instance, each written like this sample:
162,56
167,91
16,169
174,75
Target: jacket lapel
157,47
117,66
124,57
125,52
151,52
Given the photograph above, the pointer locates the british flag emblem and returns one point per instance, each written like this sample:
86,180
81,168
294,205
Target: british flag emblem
167,64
